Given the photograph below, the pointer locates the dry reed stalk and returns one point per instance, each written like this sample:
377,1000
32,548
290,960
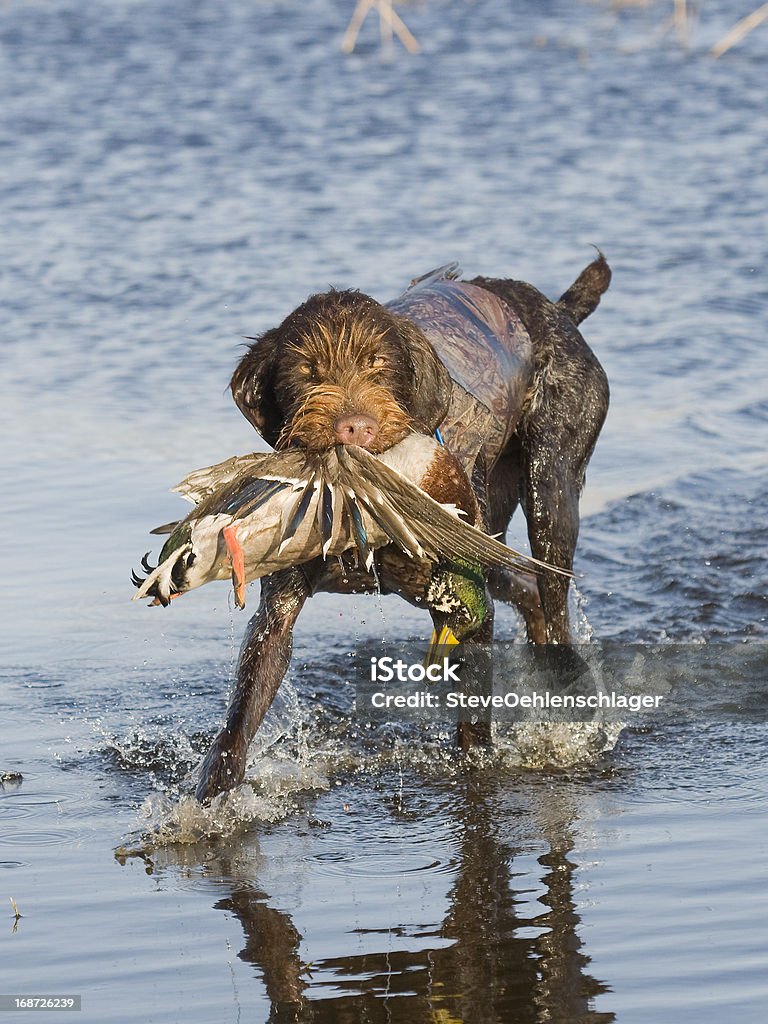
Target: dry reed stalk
739,30
681,22
389,22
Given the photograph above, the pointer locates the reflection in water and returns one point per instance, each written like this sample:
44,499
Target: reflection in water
488,960
272,944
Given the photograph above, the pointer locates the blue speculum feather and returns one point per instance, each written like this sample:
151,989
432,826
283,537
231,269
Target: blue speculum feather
252,497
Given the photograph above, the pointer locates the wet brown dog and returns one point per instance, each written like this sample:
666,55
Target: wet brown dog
502,374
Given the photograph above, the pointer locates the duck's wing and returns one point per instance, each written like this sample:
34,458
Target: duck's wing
202,483
198,484
247,482
421,525
239,485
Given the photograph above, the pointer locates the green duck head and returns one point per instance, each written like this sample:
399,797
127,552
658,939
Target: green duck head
456,598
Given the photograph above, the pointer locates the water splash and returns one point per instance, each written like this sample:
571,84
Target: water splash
582,628
543,745
306,747
556,744
184,821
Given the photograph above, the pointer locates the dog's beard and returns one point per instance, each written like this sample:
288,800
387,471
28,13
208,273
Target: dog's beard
312,424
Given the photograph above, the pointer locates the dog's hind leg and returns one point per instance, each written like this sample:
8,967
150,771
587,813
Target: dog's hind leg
513,588
558,442
521,591
263,661
564,412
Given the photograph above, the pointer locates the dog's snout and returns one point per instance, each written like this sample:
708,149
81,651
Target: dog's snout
356,428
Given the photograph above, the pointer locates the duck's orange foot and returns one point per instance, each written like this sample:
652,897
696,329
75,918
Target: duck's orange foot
237,558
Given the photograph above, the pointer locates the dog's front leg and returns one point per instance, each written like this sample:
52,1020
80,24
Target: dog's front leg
264,658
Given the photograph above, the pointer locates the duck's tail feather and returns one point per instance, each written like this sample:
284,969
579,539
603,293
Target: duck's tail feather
160,531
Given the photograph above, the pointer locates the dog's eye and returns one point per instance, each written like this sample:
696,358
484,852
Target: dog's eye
377,362
308,371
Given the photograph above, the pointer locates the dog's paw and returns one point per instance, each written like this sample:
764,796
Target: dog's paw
223,767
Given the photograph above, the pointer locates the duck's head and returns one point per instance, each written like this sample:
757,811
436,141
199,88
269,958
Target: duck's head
456,599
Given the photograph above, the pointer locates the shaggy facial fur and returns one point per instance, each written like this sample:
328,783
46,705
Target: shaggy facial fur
340,354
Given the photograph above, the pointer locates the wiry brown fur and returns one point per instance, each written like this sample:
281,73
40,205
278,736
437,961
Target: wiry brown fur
344,361
311,424
341,352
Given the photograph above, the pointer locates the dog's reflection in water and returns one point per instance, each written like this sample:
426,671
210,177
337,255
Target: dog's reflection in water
493,958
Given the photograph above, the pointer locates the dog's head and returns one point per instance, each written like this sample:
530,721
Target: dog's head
341,369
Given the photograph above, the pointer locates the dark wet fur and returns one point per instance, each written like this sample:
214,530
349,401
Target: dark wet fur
542,467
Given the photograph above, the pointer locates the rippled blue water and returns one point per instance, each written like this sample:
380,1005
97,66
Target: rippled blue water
176,176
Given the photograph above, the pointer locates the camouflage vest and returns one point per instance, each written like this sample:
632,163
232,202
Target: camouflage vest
486,350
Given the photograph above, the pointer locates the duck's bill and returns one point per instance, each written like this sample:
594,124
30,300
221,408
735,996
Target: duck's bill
440,646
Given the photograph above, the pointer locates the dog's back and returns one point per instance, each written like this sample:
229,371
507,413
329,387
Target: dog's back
480,333
488,353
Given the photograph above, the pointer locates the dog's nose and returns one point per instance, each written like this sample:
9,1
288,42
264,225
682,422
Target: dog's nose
356,428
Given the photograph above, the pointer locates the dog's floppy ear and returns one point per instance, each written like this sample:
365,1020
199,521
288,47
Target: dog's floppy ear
253,389
430,390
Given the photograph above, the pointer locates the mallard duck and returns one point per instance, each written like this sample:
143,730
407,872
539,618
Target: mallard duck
255,514
457,602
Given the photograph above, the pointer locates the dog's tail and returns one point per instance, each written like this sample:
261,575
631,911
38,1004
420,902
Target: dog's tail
583,297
